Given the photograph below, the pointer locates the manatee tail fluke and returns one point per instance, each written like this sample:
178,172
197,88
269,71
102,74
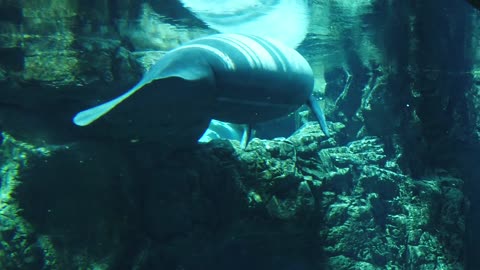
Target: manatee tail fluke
283,20
86,117
318,112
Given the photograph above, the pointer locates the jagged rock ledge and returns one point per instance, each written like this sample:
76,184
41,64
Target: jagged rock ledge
325,203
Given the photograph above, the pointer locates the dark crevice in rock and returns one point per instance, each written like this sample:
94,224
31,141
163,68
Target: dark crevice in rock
12,59
11,14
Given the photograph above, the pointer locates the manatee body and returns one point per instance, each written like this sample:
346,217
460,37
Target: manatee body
263,79
236,78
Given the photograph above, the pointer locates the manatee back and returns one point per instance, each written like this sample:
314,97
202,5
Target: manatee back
258,79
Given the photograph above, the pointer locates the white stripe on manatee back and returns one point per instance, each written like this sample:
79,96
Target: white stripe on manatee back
263,57
249,54
255,53
245,51
295,60
225,58
275,49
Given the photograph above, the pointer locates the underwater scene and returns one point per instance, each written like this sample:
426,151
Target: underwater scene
239,134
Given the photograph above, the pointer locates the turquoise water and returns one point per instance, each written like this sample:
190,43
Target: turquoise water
382,174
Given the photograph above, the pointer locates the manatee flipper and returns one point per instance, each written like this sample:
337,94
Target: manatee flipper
86,117
161,70
318,112
247,136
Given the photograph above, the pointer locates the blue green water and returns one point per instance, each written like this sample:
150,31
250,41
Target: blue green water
393,186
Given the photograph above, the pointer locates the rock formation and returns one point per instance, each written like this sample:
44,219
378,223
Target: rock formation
394,187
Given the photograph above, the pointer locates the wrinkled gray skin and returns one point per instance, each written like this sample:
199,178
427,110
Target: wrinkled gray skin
235,78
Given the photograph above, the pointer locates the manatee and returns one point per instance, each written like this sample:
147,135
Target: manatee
236,78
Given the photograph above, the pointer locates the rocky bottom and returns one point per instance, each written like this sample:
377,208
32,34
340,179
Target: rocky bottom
304,202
